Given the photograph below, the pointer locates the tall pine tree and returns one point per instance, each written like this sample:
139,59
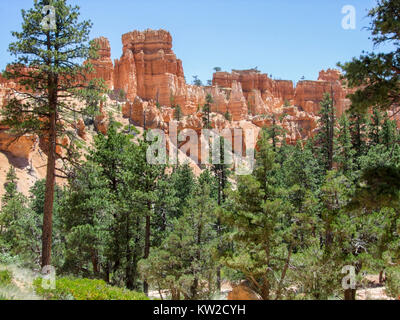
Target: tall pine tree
325,138
49,66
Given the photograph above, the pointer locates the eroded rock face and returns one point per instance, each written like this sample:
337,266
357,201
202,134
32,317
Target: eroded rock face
153,80
149,68
19,148
4,92
237,105
309,94
266,97
103,67
62,144
81,129
329,75
146,114
101,121
125,75
262,93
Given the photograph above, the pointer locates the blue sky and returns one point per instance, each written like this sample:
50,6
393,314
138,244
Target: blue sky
286,38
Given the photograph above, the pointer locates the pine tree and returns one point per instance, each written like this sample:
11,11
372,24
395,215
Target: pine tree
109,153
184,262
376,75
221,170
325,138
10,186
207,111
345,153
221,174
374,127
19,225
359,134
227,116
275,132
165,208
183,182
264,232
379,178
133,184
196,81
48,65
300,173
177,116
143,179
86,214
388,134
342,240
178,113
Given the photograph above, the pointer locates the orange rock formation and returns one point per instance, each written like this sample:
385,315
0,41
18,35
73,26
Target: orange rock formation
103,67
154,82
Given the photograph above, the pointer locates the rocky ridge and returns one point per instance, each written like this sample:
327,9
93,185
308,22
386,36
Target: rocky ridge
150,81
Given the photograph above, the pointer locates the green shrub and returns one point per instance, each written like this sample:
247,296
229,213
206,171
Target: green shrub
393,282
5,278
85,289
228,116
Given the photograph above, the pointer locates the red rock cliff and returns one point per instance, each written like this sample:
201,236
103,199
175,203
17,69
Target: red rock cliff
153,79
310,93
263,94
148,67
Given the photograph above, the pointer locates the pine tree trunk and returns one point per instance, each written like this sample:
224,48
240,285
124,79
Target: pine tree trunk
331,137
147,247
219,282
221,199
350,294
52,87
175,295
219,235
128,269
95,263
107,273
284,271
128,273
274,133
49,193
219,230
381,277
